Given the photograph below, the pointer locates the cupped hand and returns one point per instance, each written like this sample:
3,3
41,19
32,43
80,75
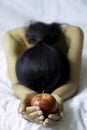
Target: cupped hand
30,113
34,114
53,118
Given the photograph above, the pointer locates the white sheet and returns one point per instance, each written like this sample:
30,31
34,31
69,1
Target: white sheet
15,13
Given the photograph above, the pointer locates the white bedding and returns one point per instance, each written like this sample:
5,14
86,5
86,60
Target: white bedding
15,13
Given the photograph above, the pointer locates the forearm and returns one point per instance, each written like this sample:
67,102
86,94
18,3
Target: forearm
74,56
21,91
66,91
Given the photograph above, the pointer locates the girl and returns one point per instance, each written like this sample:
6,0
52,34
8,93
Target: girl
43,57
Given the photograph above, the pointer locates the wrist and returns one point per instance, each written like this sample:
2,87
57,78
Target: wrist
57,97
60,104
22,91
30,94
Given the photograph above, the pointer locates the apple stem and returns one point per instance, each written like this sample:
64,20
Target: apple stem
43,91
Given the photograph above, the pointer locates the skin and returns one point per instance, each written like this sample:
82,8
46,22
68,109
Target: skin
14,43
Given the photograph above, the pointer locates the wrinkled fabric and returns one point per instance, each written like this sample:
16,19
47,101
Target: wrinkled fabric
17,13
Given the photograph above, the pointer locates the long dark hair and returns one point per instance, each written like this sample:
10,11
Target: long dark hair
42,67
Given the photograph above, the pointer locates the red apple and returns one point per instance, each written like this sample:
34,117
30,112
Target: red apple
46,102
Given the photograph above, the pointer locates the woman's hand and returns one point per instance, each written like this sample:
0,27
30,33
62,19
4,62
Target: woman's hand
34,114
53,118
30,113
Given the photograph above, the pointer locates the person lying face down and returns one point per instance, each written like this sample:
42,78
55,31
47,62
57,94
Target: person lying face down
43,57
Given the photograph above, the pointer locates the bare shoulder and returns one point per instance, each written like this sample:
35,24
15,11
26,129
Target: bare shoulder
74,34
15,39
19,30
13,45
72,30
18,33
13,42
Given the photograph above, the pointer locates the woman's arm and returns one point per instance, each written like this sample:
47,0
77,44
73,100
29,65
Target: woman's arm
13,46
66,91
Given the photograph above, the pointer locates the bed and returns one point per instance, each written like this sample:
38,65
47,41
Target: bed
17,13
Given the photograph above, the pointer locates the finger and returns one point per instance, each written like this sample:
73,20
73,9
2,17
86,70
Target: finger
34,115
54,117
49,122
39,119
24,112
25,116
32,109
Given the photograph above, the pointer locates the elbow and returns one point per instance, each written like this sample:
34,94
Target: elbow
6,38
6,35
77,29
80,32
